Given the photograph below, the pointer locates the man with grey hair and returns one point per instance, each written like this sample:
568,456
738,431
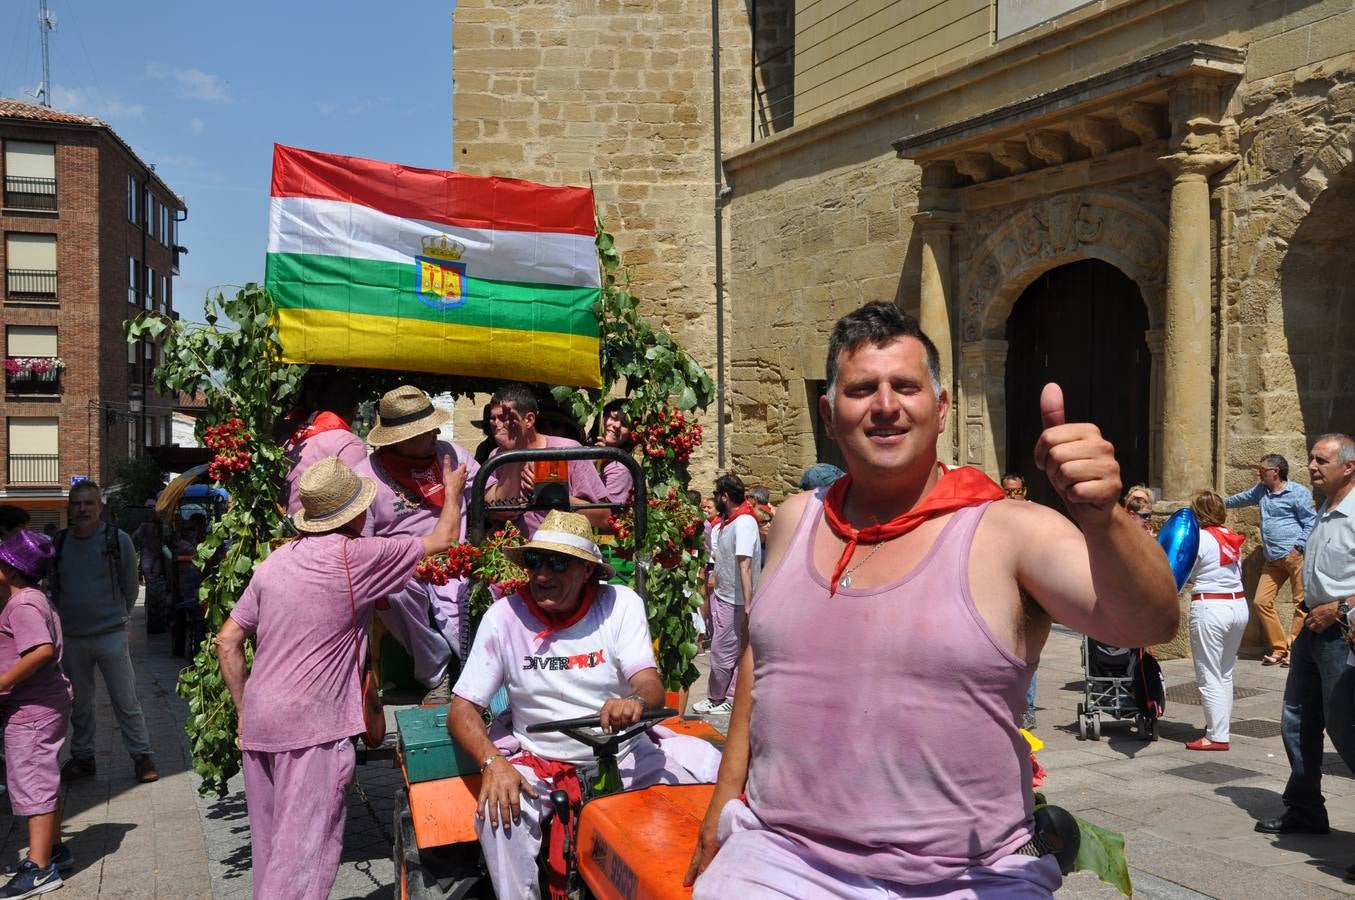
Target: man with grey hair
94,587
1287,515
1312,700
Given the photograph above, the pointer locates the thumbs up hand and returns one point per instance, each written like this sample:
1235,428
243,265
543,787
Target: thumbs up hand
1078,461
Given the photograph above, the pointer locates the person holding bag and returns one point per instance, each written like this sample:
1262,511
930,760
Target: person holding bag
1218,617
309,605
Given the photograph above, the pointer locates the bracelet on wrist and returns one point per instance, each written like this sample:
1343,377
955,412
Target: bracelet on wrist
638,699
489,761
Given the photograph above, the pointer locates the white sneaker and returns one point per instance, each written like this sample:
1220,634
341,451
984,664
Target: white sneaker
707,708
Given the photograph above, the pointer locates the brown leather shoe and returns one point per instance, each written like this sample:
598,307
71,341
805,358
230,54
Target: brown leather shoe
145,768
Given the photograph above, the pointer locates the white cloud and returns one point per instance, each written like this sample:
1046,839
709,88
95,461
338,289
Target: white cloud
93,102
196,126
191,84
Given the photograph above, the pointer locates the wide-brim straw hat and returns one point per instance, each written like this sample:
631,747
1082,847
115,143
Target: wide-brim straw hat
332,496
404,413
568,533
28,552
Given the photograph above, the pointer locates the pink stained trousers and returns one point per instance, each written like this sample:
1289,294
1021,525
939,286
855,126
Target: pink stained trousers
756,863
728,626
296,818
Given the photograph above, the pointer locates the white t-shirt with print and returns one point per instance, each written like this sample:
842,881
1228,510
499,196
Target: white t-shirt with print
735,539
564,675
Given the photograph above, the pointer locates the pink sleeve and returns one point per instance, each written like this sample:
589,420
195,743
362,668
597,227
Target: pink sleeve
246,610
30,628
352,452
585,482
379,566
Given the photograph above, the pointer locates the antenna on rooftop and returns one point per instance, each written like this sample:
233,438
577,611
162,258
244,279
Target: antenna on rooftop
46,22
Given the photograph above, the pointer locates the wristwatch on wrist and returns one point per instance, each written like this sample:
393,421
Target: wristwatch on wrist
489,761
638,699
1342,608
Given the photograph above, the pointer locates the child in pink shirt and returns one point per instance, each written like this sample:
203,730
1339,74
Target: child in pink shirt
35,699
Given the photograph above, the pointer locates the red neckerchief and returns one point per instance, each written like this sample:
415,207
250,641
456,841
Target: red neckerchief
565,777
743,509
590,593
1230,544
322,421
419,476
955,489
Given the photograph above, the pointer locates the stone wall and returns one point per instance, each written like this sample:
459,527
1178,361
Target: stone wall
616,92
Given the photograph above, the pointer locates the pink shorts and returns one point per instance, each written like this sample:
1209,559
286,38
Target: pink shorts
31,772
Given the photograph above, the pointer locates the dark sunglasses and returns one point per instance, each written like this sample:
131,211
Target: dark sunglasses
533,560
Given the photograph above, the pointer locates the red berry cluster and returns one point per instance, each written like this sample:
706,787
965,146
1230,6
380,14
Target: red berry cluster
455,562
511,586
229,439
671,433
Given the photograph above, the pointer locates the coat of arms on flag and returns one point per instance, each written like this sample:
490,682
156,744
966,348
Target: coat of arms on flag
440,275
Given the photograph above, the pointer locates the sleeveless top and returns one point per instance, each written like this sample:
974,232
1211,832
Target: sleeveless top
884,738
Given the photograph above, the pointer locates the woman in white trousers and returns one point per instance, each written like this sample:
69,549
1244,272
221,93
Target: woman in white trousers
1218,617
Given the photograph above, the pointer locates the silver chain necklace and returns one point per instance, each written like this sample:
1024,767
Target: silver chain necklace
846,580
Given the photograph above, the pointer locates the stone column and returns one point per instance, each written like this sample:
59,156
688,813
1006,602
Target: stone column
1187,451
934,308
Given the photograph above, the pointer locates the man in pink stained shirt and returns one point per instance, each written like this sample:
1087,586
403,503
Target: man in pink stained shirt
512,413
309,605
409,498
922,705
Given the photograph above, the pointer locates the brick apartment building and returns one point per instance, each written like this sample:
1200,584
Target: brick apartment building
88,238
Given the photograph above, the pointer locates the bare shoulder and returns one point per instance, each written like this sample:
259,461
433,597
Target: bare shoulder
1020,526
788,516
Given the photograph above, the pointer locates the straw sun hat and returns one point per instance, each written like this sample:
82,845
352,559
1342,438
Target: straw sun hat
404,413
567,533
331,496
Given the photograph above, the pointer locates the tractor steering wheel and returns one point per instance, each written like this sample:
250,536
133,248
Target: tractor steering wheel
578,728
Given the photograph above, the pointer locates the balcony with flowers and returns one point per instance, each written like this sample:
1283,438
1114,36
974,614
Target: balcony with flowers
33,374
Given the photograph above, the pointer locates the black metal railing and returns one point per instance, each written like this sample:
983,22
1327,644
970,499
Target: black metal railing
48,382
22,192
30,284
34,468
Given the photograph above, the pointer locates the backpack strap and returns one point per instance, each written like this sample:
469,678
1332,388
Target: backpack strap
54,582
113,553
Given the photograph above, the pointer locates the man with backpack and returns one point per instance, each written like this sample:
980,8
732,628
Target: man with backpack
94,587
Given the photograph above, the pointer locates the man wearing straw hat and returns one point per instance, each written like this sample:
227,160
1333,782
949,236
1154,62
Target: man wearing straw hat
567,645
409,499
309,605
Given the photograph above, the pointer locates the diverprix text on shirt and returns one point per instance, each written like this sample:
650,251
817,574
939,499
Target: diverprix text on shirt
556,663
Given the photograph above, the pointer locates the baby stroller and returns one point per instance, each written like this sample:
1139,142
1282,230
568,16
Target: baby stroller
1122,683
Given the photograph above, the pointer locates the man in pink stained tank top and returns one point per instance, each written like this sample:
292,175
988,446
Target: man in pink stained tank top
873,749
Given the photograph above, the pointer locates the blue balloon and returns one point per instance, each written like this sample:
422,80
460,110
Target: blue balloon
1180,540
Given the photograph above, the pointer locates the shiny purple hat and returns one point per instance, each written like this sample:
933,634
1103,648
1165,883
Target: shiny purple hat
30,553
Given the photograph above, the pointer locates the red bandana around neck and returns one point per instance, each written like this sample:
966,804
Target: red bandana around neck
323,421
955,489
590,593
421,476
743,509
1230,544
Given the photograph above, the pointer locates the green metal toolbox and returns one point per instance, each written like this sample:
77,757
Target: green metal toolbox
429,751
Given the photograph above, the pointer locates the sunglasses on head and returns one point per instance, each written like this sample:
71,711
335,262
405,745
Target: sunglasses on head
533,560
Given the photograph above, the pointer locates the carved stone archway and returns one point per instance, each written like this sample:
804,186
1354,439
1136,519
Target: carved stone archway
1036,238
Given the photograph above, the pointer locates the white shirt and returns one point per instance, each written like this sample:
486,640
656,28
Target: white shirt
739,538
1210,576
565,675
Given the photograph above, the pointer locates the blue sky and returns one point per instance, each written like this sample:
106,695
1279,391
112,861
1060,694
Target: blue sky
203,91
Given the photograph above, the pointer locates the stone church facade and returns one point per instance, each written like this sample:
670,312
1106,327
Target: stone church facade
1150,201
